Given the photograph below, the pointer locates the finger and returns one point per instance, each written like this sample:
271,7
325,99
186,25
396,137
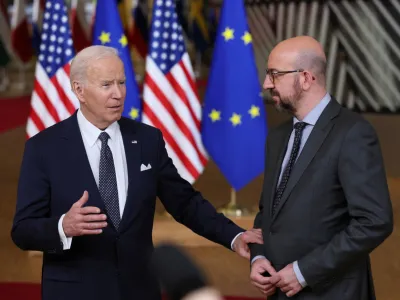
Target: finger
275,278
252,238
260,279
89,210
94,217
291,293
82,200
286,288
262,287
94,225
91,232
271,270
270,291
256,231
244,253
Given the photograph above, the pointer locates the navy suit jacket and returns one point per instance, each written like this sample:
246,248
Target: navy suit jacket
54,174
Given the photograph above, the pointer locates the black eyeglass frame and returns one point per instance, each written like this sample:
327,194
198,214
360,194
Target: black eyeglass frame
272,73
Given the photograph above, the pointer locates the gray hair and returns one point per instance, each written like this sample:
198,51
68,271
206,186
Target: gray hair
82,60
310,60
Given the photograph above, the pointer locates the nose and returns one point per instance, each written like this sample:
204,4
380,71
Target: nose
268,84
117,91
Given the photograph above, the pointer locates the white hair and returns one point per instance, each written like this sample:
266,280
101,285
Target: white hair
82,60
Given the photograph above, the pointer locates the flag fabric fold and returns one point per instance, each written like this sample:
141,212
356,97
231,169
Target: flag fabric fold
170,99
52,99
234,125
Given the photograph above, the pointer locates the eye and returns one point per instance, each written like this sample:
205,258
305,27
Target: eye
122,82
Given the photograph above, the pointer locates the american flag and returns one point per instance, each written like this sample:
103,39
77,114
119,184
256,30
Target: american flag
52,99
170,97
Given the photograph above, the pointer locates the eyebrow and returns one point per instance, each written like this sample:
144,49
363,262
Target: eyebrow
111,80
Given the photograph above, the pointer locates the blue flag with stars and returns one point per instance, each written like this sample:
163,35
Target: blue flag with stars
234,125
108,31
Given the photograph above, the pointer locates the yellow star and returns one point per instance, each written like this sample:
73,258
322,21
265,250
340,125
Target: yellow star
104,37
247,38
228,34
254,111
134,113
215,115
236,119
123,40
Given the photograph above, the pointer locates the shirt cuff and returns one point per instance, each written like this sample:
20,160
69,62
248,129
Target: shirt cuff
257,257
65,241
234,239
298,274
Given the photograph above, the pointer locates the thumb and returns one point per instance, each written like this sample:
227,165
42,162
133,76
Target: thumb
269,268
275,278
82,200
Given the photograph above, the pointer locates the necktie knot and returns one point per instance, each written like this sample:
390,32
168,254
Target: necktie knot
299,126
103,137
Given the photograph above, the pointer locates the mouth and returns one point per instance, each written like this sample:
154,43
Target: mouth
115,107
275,98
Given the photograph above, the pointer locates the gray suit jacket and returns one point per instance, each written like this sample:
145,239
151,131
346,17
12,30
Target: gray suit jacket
334,211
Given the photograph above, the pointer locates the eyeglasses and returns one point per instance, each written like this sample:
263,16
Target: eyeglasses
273,73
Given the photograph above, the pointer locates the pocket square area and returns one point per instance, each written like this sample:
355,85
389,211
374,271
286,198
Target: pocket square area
144,167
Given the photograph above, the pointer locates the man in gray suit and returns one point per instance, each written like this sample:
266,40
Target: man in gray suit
325,203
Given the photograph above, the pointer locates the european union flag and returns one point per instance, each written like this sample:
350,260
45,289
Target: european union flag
234,125
108,31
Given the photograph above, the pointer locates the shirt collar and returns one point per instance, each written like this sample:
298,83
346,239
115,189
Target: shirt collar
312,117
91,133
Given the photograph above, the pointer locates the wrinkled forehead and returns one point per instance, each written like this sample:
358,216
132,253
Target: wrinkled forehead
111,67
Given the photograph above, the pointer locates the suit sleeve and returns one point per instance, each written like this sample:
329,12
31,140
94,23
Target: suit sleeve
363,180
33,228
257,249
188,206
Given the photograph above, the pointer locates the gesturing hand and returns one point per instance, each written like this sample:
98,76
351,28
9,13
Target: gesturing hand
240,246
83,220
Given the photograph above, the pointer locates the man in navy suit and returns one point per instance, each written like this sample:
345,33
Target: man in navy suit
87,202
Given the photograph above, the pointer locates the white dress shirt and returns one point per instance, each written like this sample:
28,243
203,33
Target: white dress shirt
90,135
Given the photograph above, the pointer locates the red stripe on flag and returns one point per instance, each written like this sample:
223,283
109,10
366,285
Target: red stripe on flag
45,100
67,69
170,140
182,126
36,120
181,93
190,80
63,97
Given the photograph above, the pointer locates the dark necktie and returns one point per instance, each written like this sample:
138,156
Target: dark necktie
298,127
108,181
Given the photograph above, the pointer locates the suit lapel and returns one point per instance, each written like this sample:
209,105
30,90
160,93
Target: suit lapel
276,157
314,142
77,157
132,145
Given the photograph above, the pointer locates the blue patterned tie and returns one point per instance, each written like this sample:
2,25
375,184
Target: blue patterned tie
298,127
108,181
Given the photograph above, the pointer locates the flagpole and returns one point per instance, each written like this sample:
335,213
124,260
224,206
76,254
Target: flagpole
233,198
232,209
